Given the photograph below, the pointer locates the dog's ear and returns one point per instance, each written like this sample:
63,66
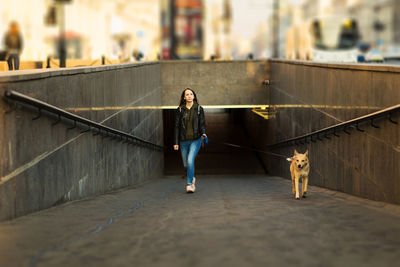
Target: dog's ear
306,153
295,152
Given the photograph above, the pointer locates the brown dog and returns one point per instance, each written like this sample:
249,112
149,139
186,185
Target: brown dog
299,168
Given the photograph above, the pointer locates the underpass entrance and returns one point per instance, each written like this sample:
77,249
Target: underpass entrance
223,126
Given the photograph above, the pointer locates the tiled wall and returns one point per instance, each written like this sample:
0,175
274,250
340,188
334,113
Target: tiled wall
313,96
43,165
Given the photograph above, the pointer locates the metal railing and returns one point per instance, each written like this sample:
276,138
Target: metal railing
92,126
344,126
50,60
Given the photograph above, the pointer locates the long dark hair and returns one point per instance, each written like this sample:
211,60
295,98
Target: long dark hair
183,101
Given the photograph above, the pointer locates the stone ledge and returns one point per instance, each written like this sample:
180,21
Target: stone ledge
25,75
213,61
347,66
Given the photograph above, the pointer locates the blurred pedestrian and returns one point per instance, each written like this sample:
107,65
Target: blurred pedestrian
137,55
349,35
13,45
190,131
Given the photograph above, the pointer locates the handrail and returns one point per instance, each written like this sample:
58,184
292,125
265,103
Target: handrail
344,126
103,59
10,94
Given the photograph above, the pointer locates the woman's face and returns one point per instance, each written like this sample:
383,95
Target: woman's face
189,96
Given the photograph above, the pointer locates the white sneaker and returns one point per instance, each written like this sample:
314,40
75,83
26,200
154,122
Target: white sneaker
189,188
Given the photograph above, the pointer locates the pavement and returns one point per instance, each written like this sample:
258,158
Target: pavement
229,221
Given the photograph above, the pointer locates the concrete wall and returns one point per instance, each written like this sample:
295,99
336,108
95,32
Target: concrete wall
366,163
216,82
43,165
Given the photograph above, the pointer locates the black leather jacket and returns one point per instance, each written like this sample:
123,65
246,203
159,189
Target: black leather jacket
199,123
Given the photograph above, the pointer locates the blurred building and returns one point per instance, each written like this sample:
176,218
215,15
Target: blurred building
294,33
251,30
262,41
114,28
231,29
188,29
30,17
376,21
217,28
123,29
379,22
196,29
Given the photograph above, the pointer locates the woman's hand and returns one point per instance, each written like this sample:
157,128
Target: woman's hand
176,147
204,135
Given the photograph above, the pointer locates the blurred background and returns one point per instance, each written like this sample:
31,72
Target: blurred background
93,32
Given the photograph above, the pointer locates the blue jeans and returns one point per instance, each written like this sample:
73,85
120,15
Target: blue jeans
189,150
13,57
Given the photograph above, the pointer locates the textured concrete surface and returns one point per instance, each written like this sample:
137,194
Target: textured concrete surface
42,164
229,221
236,82
25,75
363,163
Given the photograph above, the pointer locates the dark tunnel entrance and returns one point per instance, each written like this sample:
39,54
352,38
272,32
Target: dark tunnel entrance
223,126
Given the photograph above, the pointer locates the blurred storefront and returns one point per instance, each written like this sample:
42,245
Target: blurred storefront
218,30
188,19
196,29
335,26
127,30
113,28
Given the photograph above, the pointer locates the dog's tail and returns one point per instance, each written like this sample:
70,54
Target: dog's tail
289,159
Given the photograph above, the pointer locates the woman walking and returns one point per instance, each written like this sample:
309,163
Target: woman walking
190,128
13,45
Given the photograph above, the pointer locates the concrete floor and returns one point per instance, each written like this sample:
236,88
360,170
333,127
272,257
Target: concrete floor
229,221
